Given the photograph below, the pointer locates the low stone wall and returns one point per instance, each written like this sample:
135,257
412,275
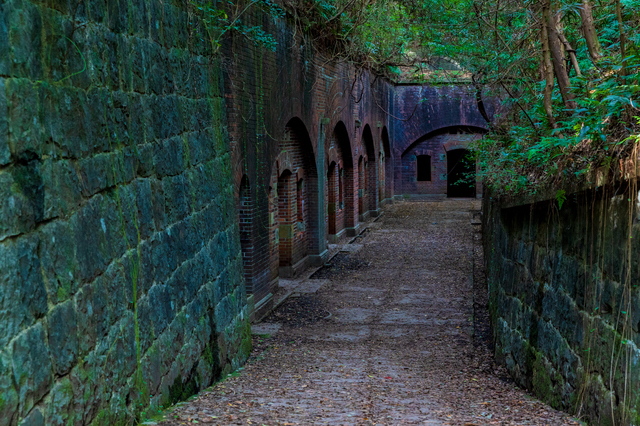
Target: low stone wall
564,299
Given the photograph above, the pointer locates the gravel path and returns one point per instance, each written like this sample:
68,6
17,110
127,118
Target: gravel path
387,340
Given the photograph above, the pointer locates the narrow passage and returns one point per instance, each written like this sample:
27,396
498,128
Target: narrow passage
388,339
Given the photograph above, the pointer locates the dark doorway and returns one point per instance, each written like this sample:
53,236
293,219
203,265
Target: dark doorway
461,174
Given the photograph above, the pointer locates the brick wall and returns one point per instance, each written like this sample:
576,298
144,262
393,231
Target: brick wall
425,112
436,145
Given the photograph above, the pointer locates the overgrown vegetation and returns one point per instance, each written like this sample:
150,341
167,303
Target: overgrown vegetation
567,70
568,74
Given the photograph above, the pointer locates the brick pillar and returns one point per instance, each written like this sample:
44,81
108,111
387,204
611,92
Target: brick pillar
333,182
372,183
245,221
286,216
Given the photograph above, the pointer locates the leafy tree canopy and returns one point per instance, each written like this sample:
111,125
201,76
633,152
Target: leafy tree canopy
567,71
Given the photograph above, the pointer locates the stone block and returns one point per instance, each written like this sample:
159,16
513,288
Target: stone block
117,285
167,117
16,213
25,127
152,369
8,393
98,133
91,234
63,337
178,197
162,308
97,173
168,157
60,409
58,259
23,298
62,192
5,151
32,370
25,39
92,316
34,418
123,214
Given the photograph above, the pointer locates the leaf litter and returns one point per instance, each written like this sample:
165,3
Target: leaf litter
400,335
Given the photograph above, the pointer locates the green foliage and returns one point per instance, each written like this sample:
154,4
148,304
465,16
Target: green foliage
561,197
215,19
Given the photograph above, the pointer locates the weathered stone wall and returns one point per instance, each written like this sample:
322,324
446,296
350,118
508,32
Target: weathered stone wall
120,267
564,299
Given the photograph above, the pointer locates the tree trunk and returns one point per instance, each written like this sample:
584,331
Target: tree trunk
556,47
623,38
589,31
572,53
547,66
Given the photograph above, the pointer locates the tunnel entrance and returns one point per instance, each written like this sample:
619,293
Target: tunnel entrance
461,174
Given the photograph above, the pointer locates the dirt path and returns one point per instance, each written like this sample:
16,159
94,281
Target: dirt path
388,339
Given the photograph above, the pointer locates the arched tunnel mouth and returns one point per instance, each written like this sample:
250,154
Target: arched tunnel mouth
461,174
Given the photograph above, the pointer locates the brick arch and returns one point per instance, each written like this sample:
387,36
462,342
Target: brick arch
427,109
435,144
283,162
340,182
451,130
294,202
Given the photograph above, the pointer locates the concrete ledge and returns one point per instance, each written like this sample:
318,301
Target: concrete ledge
352,232
319,259
364,217
262,307
374,213
424,196
386,201
292,271
334,238
251,307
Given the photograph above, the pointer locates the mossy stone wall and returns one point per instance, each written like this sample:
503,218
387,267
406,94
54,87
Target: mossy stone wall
120,268
564,299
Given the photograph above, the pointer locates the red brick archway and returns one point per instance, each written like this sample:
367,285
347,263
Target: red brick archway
294,203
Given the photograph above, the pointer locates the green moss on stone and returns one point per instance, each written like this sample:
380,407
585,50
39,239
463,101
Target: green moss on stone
246,345
542,382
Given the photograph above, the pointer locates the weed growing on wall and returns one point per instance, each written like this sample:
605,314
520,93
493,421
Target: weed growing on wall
213,19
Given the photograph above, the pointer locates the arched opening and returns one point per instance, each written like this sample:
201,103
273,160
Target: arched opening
245,222
461,174
425,164
371,172
296,199
340,185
